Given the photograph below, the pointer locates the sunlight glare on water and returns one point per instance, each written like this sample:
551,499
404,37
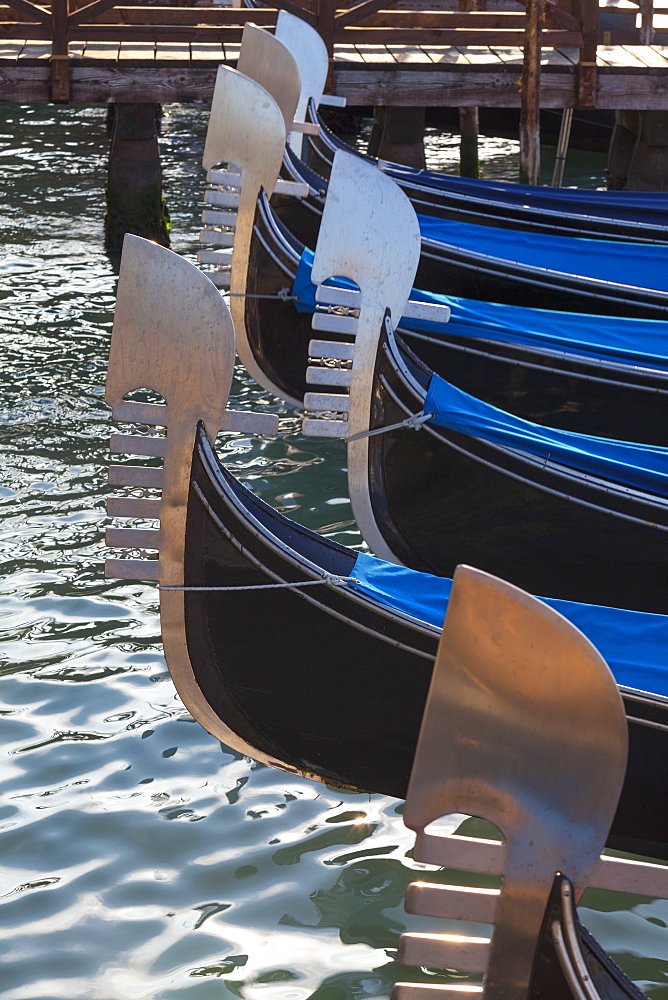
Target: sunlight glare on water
140,858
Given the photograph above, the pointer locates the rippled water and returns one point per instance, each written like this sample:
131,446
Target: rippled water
140,859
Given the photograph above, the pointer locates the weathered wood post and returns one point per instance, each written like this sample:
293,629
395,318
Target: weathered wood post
588,12
638,157
530,106
469,124
646,22
398,135
326,13
562,147
622,149
134,181
60,61
469,131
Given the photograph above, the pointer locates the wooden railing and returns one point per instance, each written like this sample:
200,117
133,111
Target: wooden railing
567,24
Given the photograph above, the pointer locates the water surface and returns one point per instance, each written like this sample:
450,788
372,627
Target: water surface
140,858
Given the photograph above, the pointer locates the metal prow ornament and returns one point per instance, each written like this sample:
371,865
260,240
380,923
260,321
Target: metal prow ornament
266,60
247,132
311,55
380,254
172,334
524,726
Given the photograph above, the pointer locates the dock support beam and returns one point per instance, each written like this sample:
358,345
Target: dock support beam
469,119
134,182
530,107
638,157
469,163
398,135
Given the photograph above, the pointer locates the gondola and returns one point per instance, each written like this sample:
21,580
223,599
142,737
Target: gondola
575,372
273,341
581,516
646,210
617,523
513,266
269,630
575,213
539,755
248,597
621,279
227,562
446,478
602,376
550,211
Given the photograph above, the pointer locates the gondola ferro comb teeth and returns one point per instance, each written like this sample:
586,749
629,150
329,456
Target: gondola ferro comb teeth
324,374
333,295
325,415
266,59
213,217
331,363
296,189
426,312
222,199
225,178
173,335
333,320
222,258
305,128
546,767
217,237
331,350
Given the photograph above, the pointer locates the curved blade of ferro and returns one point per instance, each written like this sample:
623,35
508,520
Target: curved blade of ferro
524,727
310,51
370,234
172,333
246,128
265,59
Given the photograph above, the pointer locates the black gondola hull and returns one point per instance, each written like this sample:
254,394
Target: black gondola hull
441,498
623,402
325,681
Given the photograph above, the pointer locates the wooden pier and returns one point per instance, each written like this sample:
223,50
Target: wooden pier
103,52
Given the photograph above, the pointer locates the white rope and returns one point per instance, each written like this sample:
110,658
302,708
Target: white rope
413,422
283,295
332,581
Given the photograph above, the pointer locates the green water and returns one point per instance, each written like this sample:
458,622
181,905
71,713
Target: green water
138,857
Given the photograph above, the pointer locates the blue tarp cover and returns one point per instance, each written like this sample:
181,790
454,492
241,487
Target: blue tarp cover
622,339
641,466
634,644
635,341
649,207
641,265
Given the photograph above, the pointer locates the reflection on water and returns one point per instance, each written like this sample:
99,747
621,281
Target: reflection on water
140,858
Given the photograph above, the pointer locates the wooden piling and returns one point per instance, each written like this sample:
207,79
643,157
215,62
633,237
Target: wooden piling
638,156
469,130
60,59
398,135
530,106
134,183
469,125
562,147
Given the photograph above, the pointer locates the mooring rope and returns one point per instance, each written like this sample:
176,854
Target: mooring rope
283,295
332,581
413,422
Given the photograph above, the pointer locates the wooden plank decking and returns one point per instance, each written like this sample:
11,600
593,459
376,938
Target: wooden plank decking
629,76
